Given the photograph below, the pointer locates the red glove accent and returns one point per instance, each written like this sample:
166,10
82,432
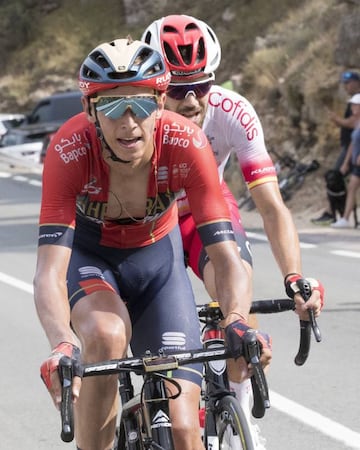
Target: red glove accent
292,287
316,285
52,363
234,337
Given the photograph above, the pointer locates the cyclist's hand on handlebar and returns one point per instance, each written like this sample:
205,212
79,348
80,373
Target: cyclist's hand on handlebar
235,332
50,375
316,296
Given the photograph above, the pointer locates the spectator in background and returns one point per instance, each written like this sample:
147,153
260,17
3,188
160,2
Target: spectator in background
351,83
352,160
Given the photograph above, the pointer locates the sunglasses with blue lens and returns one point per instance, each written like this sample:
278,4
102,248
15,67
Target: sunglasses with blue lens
181,91
115,107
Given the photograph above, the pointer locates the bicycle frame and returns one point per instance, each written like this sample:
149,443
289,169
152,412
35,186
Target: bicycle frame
145,417
142,411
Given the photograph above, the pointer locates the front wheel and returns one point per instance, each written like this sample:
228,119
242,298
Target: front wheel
233,429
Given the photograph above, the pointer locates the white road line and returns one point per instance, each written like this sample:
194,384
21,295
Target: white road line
346,253
315,420
26,287
35,183
20,178
311,418
5,175
262,237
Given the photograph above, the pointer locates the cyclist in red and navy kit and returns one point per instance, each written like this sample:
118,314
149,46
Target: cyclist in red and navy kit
193,53
110,267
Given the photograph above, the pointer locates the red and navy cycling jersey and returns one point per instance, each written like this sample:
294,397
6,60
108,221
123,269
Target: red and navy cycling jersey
76,187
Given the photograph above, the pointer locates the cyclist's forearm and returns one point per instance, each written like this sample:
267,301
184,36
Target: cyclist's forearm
279,227
54,313
284,241
233,284
50,293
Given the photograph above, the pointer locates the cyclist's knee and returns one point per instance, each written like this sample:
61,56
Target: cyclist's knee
103,326
186,435
104,340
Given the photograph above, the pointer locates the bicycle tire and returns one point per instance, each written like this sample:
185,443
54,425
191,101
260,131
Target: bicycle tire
233,429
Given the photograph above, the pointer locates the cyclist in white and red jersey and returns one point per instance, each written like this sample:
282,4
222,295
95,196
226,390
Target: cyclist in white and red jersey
110,267
193,53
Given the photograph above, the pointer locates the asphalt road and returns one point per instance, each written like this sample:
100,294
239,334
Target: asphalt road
315,406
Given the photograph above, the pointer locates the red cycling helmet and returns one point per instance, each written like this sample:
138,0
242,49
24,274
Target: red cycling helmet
123,62
190,47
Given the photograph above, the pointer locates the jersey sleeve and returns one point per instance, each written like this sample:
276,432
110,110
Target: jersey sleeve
62,177
233,125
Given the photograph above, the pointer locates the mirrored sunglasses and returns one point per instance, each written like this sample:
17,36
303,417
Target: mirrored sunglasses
181,91
115,107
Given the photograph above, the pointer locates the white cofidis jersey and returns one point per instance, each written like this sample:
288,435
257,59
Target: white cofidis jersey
232,125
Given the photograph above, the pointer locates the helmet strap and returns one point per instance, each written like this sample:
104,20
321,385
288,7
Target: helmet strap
100,135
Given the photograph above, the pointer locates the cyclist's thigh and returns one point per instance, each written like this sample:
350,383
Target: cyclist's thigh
165,317
88,273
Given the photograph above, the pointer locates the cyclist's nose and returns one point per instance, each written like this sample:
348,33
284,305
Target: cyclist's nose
190,99
127,120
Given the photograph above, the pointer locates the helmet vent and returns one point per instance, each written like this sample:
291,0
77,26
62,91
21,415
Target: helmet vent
100,60
89,74
186,53
171,55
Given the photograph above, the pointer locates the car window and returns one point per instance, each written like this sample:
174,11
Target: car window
12,139
64,108
57,109
41,113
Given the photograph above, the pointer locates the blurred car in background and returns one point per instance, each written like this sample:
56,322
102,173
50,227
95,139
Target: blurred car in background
25,141
8,121
44,120
55,109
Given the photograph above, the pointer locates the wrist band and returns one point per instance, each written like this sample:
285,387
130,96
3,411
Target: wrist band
290,274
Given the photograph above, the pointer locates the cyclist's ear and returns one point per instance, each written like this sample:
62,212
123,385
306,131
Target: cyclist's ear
87,108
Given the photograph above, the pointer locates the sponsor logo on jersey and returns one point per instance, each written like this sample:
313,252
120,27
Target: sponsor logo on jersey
90,271
55,235
163,174
239,109
200,140
90,187
71,149
263,170
176,141
173,339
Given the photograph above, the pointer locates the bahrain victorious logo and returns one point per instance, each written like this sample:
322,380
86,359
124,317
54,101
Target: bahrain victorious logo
200,140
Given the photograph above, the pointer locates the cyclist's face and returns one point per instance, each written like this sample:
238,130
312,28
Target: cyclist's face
189,100
129,129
